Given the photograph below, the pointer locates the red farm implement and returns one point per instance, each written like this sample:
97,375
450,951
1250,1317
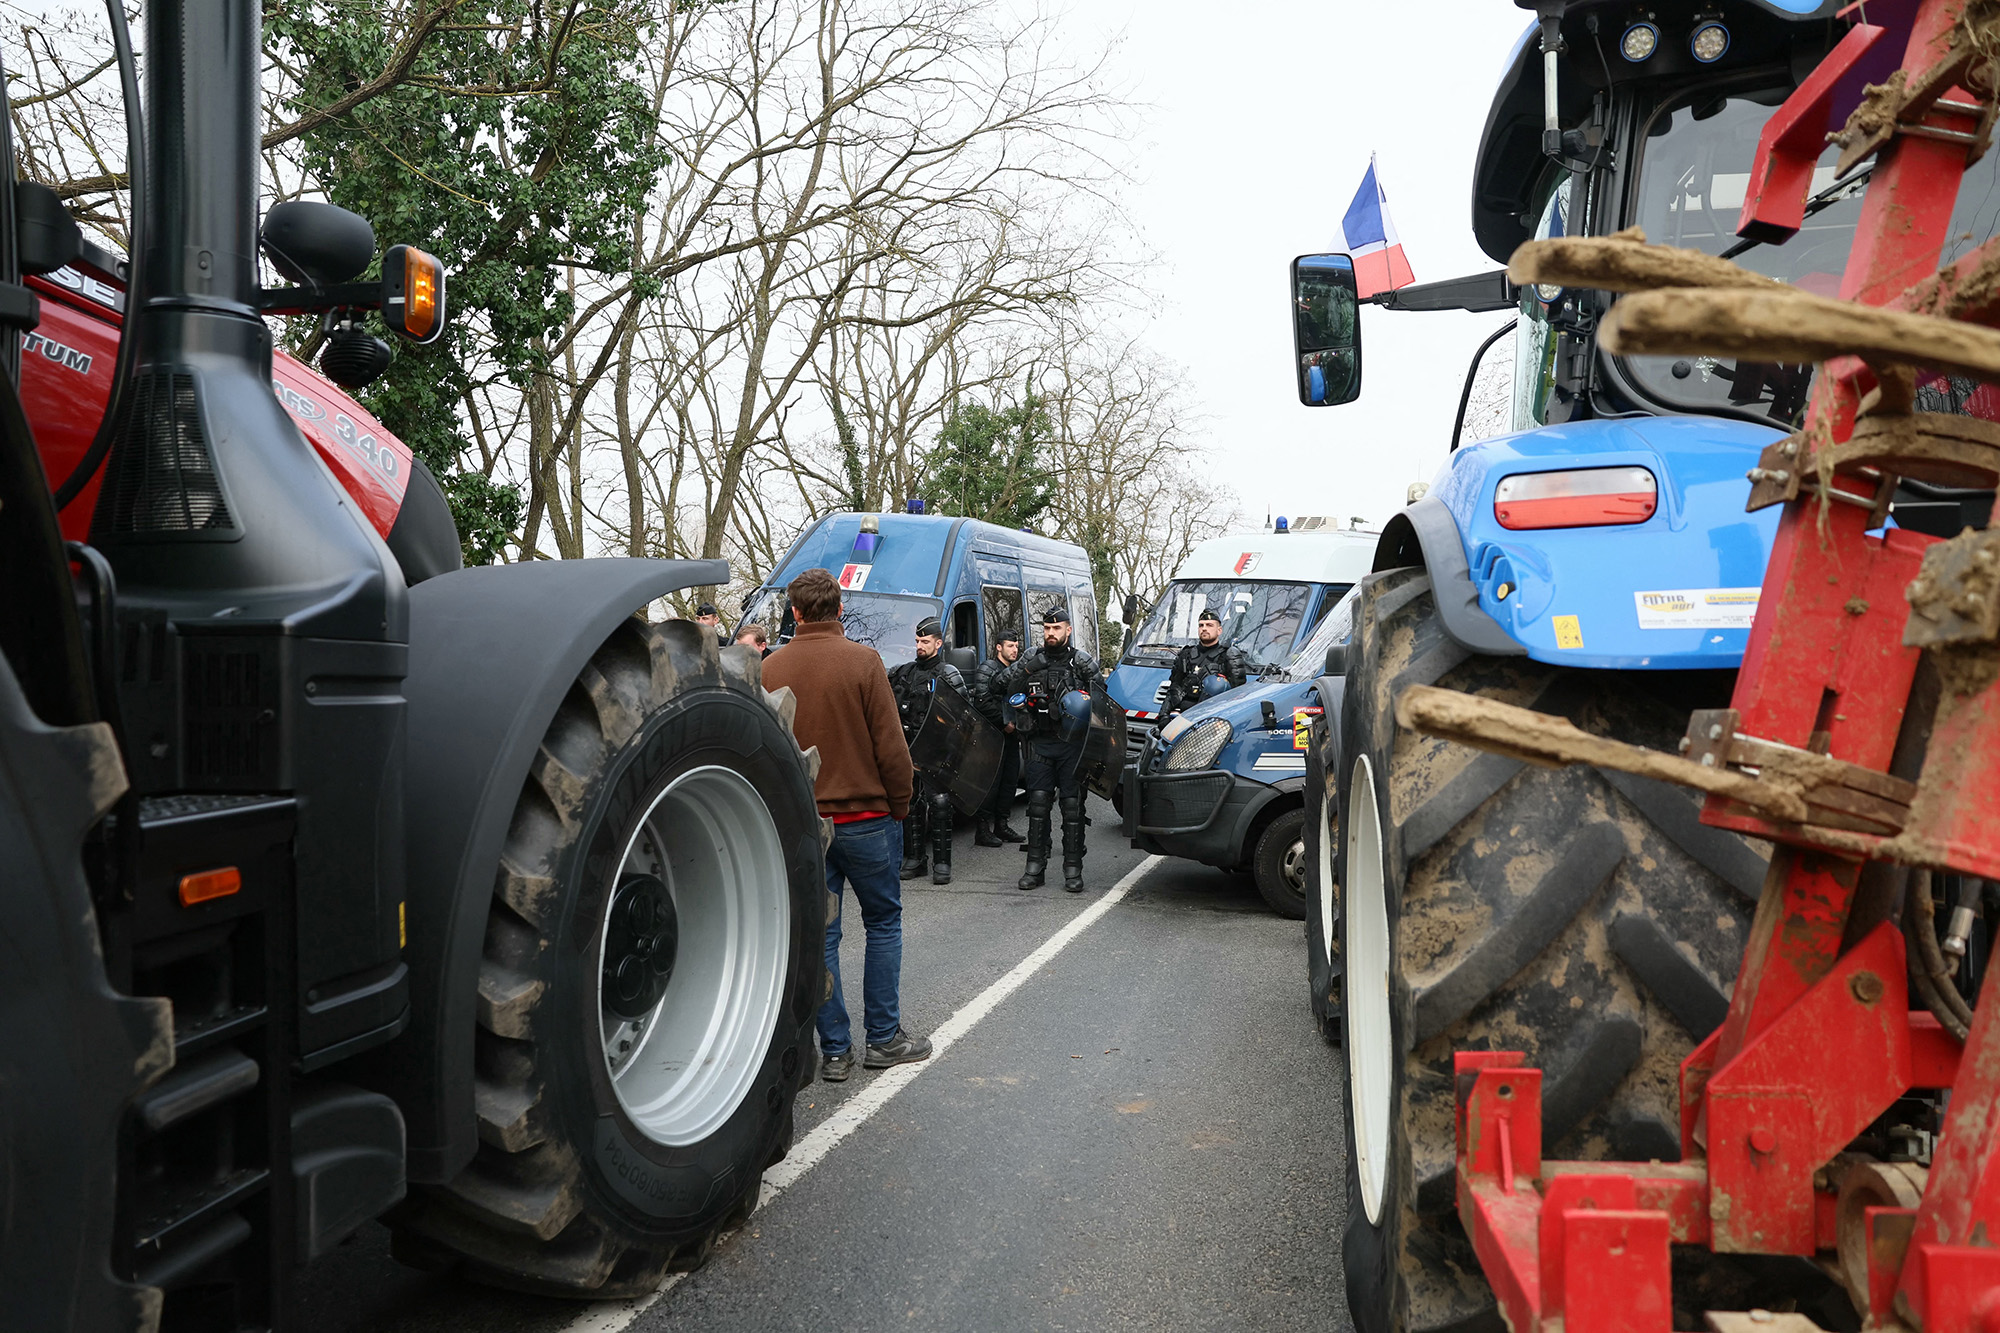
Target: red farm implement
1863,741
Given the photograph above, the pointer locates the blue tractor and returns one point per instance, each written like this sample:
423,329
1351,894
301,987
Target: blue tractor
1597,563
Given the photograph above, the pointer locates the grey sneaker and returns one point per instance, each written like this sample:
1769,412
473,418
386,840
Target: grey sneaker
901,1049
836,1068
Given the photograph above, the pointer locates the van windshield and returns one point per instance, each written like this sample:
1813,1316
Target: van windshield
1260,618
885,622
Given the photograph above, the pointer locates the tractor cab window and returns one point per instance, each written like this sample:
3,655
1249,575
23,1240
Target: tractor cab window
1534,340
1694,169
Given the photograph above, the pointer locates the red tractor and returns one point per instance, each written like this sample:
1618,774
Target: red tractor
344,882
1846,1112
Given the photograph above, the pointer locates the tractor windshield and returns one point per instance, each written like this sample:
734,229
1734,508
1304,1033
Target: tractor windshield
1694,169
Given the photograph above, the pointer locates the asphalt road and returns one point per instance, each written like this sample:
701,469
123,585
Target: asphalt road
1144,1135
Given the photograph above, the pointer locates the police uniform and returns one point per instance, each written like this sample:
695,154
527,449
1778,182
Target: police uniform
930,803
1196,663
1036,687
991,701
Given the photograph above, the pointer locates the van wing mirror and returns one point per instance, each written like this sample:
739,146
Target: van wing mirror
1131,608
1336,659
1326,330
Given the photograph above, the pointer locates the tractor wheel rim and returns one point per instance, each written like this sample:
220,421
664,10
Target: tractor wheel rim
680,1069
1368,1038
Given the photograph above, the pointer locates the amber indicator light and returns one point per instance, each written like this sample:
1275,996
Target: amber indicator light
420,293
209,885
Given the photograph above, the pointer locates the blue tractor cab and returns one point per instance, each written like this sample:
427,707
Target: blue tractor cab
979,579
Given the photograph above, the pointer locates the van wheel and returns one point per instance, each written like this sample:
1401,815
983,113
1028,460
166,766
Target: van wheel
652,965
1279,864
1322,832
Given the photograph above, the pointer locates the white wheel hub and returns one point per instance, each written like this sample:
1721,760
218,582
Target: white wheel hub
681,1066
1369,1040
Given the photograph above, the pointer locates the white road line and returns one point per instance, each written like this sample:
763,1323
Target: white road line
615,1316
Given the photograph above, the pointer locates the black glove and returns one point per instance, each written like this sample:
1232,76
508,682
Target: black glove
1034,664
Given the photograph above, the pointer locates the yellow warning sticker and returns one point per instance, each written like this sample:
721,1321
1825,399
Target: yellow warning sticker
1302,721
1569,634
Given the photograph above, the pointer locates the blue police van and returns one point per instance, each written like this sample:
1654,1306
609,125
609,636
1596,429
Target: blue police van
979,579
1223,782
1271,590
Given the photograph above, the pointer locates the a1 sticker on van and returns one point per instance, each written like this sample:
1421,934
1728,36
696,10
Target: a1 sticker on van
854,577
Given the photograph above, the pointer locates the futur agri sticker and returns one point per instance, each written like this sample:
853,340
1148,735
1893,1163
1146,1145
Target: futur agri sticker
1697,608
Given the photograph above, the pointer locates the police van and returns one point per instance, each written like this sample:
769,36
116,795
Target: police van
1270,588
979,579
1223,783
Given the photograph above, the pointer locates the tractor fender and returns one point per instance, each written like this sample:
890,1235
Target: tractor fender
493,650
1330,690
1427,535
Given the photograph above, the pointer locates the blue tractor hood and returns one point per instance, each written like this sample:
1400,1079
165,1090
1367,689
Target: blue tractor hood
1676,591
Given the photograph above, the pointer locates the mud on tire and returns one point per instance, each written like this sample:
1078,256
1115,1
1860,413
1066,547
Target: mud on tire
1587,919
658,913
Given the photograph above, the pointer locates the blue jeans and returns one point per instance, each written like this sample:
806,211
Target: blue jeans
867,854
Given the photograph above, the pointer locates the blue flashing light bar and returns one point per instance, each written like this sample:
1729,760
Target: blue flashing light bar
868,540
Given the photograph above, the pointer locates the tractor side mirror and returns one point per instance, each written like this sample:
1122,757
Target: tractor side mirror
1326,330
316,244
47,237
1336,660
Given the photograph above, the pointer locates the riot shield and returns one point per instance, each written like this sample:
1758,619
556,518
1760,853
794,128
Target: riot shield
1103,760
960,747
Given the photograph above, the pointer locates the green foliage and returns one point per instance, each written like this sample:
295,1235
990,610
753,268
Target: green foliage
521,143
990,462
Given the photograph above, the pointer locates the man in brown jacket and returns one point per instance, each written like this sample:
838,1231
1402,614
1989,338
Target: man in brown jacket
845,707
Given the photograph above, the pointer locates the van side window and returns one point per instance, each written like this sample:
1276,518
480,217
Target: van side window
965,626
1083,616
1041,600
1003,610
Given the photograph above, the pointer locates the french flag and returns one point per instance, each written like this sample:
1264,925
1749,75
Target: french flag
1370,238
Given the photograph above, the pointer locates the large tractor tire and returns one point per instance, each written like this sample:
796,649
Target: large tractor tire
1587,919
653,961
75,1051
1322,832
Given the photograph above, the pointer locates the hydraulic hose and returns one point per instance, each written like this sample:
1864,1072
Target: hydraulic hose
135,263
1932,973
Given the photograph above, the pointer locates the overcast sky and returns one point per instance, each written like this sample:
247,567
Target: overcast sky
1259,121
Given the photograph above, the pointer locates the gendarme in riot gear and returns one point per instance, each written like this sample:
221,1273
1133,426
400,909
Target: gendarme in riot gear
927,831
1193,665
1040,688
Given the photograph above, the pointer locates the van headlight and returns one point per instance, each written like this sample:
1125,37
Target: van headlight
1199,745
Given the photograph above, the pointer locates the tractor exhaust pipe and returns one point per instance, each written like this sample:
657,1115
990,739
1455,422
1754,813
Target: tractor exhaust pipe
251,592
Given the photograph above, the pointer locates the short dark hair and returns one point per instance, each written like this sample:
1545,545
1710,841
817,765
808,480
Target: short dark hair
815,595
753,630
